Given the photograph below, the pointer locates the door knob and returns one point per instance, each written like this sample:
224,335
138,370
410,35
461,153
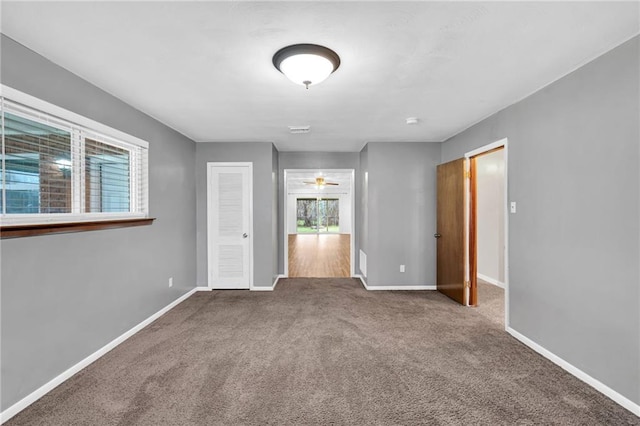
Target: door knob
245,235
437,235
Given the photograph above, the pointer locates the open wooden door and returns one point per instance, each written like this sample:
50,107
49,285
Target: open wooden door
452,238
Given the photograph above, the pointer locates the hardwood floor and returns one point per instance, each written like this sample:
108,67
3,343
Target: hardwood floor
319,255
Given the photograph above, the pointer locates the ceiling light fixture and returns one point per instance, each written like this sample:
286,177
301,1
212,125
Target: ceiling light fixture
306,64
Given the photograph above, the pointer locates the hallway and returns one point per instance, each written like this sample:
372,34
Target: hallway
319,255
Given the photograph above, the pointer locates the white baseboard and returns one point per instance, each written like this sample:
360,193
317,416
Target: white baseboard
491,280
394,287
204,289
49,386
596,384
273,287
361,278
275,283
401,287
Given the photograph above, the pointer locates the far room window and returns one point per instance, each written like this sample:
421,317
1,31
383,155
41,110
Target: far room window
57,166
316,215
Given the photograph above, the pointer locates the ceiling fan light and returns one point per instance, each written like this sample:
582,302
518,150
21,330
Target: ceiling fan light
306,64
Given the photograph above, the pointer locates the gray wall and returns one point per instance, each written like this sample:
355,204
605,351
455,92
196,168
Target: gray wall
573,165
65,296
312,160
261,155
401,213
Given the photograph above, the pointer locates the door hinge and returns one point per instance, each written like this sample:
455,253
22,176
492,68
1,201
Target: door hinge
467,174
467,284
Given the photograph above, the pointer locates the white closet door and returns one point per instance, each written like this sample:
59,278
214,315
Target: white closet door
229,224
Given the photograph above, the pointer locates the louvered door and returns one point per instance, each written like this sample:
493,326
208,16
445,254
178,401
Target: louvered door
229,225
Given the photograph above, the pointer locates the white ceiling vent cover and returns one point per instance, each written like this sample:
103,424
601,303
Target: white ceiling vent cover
299,129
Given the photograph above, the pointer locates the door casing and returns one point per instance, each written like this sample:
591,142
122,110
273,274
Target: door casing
471,213
285,246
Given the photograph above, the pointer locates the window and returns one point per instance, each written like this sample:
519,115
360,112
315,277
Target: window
57,166
315,215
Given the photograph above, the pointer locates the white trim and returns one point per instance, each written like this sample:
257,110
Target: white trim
352,236
394,287
203,288
277,280
55,218
210,166
505,144
401,287
595,383
491,280
483,149
270,288
251,234
285,245
93,126
67,374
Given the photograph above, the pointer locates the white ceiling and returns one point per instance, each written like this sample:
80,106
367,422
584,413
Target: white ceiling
204,68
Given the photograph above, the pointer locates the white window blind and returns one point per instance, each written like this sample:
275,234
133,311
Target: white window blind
64,167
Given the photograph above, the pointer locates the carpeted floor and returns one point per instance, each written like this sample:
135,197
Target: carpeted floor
323,351
491,302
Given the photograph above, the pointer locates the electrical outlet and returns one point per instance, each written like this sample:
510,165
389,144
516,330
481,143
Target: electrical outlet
171,282
401,268
513,207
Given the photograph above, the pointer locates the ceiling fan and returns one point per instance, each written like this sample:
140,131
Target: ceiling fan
321,182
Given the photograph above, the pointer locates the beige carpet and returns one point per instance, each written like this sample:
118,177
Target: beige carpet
491,302
323,351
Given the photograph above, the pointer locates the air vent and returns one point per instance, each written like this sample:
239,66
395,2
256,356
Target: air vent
299,129
363,263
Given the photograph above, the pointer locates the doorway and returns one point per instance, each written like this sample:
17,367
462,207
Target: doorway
319,223
489,204
457,236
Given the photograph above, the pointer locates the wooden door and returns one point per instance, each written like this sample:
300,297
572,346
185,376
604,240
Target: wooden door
451,231
472,227
229,225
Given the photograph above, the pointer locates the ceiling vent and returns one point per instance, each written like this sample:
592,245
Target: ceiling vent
299,129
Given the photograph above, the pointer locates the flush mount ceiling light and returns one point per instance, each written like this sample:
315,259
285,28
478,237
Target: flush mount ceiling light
306,64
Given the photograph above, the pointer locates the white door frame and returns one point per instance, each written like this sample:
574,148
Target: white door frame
504,143
210,166
352,197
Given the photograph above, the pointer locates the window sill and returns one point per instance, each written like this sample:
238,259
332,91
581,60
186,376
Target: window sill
17,231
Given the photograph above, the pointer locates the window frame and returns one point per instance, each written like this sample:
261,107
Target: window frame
23,105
